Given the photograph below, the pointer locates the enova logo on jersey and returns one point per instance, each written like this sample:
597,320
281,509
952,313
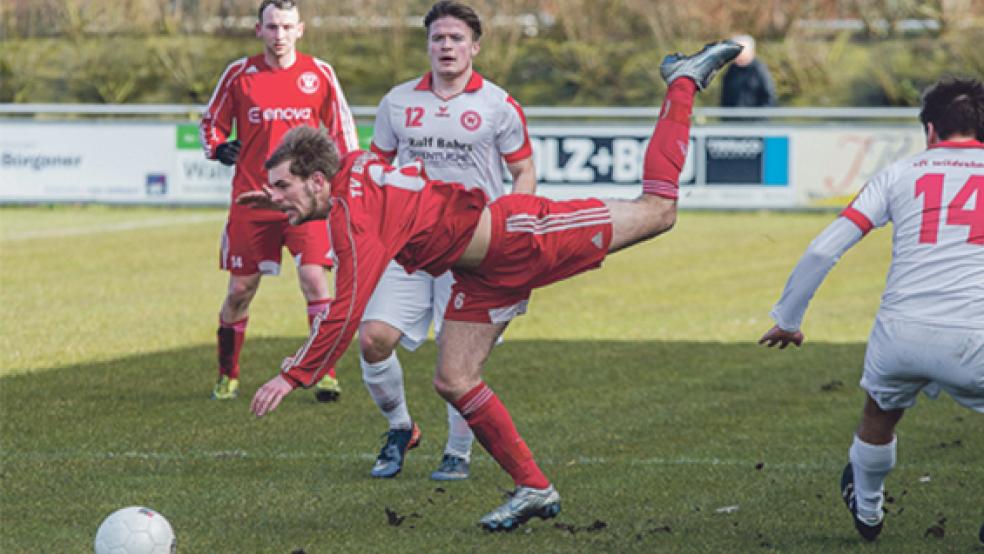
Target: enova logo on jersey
257,114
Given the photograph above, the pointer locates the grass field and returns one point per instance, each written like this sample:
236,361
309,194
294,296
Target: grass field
638,387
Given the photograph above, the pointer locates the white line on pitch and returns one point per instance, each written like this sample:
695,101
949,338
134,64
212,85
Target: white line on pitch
59,455
112,227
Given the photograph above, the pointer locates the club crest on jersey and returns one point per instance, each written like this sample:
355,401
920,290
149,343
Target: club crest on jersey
470,120
308,82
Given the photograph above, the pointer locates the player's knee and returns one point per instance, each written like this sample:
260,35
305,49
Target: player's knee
659,214
375,344
668,219
314,284
240,294
447,388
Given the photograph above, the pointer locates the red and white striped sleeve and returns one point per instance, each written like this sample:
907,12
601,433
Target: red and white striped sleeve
870,207
336,115
512,136
216,123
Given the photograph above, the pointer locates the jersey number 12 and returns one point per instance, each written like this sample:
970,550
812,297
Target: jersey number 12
930,186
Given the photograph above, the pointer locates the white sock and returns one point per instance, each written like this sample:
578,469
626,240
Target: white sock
384,381
871,463
460,436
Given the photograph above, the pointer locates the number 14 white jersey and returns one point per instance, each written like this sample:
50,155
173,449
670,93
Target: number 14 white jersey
935,201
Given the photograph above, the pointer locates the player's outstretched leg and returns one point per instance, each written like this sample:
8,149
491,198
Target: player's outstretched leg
700,67
525,503
868,531
654,212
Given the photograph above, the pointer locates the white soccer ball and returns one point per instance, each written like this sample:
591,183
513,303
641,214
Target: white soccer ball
135,530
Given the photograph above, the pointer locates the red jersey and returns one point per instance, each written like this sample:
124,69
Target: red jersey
379,213
266,102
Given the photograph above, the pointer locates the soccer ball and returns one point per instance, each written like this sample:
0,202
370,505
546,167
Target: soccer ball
135,530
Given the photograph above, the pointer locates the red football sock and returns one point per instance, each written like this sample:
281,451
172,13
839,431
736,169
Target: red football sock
230,339
494,428
667,148
314,308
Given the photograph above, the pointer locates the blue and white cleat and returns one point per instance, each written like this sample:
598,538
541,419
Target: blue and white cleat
390,460
525,503
702,66
452,468
867,531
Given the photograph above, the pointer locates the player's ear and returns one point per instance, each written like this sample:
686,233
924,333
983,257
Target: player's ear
931,135
476,47
259,27
300,29
319,180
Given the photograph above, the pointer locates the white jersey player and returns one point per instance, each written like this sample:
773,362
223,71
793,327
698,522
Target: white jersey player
929,332
463,128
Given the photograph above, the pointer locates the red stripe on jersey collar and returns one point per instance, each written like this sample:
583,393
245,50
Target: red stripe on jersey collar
958,144
474,83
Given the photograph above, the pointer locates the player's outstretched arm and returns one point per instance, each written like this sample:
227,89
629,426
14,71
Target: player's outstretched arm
257,199
781,337
268,397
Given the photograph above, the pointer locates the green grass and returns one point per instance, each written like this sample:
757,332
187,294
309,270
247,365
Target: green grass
638,387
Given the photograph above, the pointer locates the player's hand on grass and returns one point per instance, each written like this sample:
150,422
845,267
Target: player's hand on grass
781,337
258,199
268,397
228,152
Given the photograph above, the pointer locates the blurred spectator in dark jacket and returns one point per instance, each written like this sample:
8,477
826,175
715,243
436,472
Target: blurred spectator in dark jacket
747,83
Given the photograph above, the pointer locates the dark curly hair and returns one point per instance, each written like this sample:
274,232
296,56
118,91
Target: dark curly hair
954,106
457,10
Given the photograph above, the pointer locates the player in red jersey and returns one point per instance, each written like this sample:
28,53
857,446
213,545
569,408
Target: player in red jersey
498,253
264,96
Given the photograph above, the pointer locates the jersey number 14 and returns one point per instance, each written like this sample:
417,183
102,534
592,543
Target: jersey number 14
930,186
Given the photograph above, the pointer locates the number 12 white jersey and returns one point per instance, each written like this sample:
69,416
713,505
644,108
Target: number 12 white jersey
935,201
462,139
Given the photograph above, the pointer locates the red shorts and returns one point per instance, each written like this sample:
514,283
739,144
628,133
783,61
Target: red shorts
535,242
251,246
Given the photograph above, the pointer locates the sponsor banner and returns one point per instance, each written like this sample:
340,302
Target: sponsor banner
831,164
727,166
110,162
724,168
146,163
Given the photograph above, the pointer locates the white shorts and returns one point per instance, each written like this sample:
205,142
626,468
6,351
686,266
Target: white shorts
905,357
410,302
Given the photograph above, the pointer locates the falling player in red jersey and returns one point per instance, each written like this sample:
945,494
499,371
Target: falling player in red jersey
264,96
498,252
929,332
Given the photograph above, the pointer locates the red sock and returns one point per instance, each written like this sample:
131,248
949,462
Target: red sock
494,428
230,339
314,308
667,148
